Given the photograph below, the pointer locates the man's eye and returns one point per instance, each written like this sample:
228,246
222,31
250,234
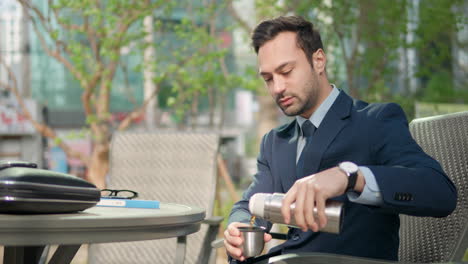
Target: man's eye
287,72
268,79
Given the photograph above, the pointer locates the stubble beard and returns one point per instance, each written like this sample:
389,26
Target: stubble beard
305,103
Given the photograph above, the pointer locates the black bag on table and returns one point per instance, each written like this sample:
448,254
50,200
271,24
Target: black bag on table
25,189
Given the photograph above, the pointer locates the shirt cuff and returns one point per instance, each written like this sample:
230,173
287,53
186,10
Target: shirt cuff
371,194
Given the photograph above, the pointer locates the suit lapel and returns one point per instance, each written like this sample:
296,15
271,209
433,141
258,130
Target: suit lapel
334,121
287,149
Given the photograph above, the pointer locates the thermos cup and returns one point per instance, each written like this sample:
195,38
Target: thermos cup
268,207
253,240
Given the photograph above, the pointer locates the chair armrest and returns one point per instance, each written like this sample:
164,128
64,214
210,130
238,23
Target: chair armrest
213,221
218,243
207,252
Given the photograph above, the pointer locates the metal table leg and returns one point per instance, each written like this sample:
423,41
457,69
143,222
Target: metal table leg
64,254
22,255
180,250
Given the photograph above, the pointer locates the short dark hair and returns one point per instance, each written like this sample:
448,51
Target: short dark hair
308,38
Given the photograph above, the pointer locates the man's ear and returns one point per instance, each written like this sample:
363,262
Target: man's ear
319,60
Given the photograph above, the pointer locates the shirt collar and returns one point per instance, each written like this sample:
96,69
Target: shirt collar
317,117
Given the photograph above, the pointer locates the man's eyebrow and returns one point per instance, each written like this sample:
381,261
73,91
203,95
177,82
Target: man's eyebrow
280,67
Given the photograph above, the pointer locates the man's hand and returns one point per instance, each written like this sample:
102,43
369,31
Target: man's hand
233,241
312,191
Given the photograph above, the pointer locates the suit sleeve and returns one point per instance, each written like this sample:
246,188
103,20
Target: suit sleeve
411,182
262,183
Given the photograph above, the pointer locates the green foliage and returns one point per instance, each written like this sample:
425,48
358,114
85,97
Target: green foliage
83,133
407,103
192,62
91,119
439,88
364,41
250,80
223,208
57,141
192,65
251,146
440,21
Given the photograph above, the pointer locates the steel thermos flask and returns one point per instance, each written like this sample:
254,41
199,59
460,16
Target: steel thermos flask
268,207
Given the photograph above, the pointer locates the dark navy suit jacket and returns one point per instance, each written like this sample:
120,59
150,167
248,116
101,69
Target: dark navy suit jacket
372,135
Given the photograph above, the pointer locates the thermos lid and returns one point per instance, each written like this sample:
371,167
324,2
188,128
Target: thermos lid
257,204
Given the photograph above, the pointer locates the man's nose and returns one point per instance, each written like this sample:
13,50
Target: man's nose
279,86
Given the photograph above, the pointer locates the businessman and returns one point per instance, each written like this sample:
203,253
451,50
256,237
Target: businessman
336,148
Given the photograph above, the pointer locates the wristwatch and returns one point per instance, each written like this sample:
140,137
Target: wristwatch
351,170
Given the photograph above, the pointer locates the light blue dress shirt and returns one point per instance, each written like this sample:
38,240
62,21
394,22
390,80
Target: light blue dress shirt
371,194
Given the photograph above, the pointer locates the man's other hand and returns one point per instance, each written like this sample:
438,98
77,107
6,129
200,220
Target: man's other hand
233,241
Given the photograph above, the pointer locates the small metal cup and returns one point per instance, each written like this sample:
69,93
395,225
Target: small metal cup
253,240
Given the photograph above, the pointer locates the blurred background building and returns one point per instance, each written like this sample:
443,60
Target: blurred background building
18,138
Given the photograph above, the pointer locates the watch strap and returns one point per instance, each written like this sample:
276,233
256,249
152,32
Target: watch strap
352,179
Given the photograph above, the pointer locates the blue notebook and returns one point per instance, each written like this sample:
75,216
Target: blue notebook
129,203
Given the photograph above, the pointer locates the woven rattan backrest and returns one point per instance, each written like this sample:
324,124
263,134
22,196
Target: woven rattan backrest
168,167
426,239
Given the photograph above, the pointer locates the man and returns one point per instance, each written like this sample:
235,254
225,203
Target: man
336,148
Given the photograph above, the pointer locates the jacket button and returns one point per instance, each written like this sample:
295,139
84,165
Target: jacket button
295,237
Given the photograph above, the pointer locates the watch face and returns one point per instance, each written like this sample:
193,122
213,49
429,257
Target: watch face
349,167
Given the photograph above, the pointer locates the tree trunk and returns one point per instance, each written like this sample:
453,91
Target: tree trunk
212,106
149,86
194,111
99,166
267,116
353,90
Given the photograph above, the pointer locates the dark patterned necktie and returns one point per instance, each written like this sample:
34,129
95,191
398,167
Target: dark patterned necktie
308,130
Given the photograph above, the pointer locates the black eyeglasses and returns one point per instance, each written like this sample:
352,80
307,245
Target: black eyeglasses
118,194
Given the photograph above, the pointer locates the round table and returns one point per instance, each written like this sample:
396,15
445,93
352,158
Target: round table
95,225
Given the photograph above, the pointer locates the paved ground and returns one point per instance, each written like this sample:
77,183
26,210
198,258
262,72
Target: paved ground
81,256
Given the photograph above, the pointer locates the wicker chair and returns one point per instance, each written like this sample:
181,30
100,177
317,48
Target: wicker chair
426,239
169,167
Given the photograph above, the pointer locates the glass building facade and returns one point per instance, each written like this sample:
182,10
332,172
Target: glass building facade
53,85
